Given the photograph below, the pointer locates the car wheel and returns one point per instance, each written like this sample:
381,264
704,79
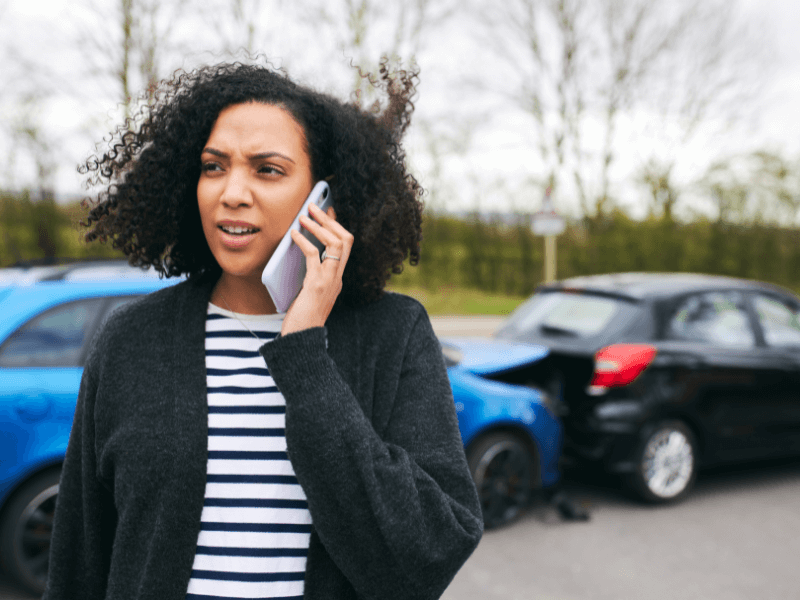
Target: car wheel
666,464
26,529
503,467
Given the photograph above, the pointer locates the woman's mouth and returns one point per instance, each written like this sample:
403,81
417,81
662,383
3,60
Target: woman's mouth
236,237
237,230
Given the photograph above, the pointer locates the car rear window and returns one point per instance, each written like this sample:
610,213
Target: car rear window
563,314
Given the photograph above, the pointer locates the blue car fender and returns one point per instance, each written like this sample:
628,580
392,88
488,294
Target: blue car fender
484,404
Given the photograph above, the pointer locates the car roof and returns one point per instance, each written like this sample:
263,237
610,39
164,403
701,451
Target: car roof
654,286
27,291
88,270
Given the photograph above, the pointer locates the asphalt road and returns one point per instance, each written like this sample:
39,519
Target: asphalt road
737,537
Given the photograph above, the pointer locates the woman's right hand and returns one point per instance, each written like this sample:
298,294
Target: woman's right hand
323,280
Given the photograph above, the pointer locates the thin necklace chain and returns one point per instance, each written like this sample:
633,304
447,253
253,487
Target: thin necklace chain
235,316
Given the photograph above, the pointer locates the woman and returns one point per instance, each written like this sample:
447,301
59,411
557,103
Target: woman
221,450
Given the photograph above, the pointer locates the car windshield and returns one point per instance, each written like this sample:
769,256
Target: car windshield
562,314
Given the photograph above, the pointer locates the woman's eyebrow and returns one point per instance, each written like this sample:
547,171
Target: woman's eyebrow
259,156
215,152
263,155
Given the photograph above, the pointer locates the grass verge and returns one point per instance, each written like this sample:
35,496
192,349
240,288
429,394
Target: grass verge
449,300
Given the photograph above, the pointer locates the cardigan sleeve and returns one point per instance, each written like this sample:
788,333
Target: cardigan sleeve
397,511
85,518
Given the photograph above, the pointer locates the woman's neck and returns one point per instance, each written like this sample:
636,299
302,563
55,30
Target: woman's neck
246,295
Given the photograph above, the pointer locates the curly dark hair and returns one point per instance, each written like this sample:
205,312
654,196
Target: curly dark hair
149,172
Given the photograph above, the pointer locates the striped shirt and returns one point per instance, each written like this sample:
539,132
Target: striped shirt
256,525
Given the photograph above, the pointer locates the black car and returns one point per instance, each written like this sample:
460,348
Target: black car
660,374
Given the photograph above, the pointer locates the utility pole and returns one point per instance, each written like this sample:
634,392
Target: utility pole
549,224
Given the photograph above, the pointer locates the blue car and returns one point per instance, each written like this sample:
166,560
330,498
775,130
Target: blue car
511,430
49,315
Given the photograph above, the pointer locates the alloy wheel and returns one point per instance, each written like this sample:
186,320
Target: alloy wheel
668,463
503,473
31,541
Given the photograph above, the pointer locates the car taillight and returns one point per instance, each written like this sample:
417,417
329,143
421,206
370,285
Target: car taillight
619,364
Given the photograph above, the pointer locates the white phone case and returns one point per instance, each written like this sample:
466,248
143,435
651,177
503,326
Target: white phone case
284,274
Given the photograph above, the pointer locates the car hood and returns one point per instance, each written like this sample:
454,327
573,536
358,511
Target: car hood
486,357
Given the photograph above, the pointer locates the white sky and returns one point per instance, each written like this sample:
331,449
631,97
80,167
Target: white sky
36,27
780,123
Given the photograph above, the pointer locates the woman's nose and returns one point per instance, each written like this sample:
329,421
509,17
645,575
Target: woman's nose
237,191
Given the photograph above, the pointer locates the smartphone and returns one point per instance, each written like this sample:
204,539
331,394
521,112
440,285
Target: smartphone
284,274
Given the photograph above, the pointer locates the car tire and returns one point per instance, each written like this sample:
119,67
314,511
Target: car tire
503,467
666,463
25,530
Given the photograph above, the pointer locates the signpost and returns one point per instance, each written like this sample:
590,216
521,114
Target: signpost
548,223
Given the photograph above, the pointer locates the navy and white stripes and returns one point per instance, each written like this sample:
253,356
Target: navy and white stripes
255,525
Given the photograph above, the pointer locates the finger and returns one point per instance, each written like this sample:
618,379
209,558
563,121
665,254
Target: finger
328,220
333,245
347,240
337,243
309,250
327,238
344,253
345,237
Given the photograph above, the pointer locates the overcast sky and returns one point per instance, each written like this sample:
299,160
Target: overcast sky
781,124
36,27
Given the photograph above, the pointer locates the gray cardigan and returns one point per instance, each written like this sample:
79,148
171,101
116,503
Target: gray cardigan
371,432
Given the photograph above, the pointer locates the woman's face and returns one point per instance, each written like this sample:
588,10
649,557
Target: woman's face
254,178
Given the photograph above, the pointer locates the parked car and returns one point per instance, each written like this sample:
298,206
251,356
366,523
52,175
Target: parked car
662,374
49,314
511,431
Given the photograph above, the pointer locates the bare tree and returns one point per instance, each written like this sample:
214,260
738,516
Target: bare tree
28,133
250,26
24,98
757,188
364,30
29,210
579,68
126,45
538,45
439,145
658,180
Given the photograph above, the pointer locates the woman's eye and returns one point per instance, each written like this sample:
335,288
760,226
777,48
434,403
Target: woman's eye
270,170
207,167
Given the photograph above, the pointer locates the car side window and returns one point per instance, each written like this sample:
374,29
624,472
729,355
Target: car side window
779,321
718,318
55,338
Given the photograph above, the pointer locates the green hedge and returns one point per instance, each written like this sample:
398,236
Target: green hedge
492,257
507,259
41,230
